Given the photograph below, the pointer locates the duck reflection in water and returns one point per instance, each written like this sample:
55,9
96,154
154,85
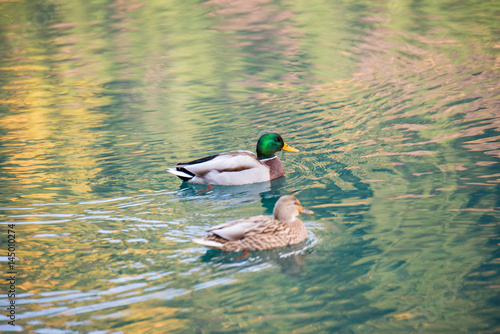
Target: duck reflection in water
291,259
237,195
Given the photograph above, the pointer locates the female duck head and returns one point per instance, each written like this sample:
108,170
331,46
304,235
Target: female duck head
271,143
287,208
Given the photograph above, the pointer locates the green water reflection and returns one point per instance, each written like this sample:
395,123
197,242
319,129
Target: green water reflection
394,106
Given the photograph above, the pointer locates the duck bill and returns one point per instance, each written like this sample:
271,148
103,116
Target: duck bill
288,148
306,212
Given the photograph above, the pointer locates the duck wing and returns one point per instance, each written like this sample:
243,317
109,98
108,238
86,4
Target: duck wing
236,230
235,167
227,161
272,227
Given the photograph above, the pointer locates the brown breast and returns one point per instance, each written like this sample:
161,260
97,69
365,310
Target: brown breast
276,168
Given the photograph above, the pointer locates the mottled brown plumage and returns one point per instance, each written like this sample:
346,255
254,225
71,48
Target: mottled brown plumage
260,232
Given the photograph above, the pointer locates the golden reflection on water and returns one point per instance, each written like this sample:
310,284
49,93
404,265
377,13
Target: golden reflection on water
48,128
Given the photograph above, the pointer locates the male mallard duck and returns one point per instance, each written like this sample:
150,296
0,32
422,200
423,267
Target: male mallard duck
260,232
237,167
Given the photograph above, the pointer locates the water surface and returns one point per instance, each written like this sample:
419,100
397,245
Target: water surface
394,106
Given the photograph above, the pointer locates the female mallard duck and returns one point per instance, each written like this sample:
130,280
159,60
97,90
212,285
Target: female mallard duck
237,167
260,232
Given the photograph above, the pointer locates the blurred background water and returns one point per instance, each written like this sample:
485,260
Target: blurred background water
393,104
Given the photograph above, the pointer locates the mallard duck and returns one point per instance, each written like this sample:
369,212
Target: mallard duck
237,167
260,232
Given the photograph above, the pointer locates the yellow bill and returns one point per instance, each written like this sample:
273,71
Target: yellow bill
305,211
288,148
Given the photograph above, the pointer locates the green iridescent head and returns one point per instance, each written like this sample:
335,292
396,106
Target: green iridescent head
271,143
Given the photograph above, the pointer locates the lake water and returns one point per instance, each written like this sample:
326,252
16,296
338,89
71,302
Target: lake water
394,106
